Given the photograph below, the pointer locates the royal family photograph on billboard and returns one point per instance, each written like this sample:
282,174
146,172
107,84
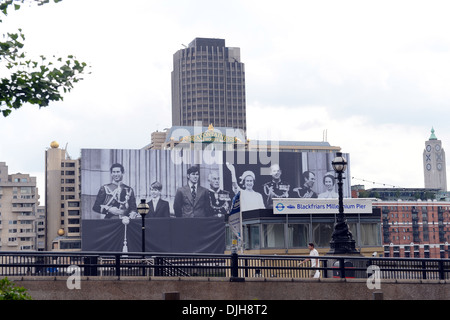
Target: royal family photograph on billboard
189,193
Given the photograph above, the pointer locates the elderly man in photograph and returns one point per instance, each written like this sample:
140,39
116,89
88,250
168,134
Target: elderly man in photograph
192,200
220,200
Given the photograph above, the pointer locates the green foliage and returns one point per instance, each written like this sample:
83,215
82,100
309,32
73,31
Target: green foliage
7,3
34,82
8,291
363,194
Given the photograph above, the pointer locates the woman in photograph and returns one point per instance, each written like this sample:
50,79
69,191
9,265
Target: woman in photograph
250,199
328,182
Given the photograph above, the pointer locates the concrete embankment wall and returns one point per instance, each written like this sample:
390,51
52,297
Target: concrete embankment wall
157,288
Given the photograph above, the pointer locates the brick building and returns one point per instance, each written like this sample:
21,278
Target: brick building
419,229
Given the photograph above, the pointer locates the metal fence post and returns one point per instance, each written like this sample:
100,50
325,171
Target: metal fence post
441,270
424,271
118,266
235,268
234,265
325,266
342,267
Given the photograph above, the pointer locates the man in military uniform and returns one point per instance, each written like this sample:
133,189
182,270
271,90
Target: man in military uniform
306,191
116,199
276,188
219,199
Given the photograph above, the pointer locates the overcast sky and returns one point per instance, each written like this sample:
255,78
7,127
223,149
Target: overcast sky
375,75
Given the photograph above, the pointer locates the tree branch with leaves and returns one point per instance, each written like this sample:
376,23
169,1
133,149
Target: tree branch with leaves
28,81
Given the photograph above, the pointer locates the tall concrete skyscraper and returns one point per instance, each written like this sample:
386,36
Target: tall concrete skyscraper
208,85
62,200
434,164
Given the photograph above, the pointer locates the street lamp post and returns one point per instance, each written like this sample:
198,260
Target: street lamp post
143,209
342,241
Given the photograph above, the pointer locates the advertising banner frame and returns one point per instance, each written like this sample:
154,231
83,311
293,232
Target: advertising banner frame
258,177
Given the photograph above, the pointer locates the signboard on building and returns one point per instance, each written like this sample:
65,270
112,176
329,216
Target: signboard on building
321,206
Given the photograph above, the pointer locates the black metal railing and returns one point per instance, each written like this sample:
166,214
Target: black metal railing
235,266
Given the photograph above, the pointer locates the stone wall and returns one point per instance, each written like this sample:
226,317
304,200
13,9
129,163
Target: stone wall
157,288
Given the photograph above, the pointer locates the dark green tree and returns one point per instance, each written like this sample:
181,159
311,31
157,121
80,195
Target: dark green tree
29,81
363,194
9,291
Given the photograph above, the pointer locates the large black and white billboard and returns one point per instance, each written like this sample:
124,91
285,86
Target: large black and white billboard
189,193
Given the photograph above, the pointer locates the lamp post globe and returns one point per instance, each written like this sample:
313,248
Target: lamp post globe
339,163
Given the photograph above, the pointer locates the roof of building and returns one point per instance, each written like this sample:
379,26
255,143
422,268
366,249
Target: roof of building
179,132
433,136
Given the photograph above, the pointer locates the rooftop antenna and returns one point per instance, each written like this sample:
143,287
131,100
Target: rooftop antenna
67,154
324,137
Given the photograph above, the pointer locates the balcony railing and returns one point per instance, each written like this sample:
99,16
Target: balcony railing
236,267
